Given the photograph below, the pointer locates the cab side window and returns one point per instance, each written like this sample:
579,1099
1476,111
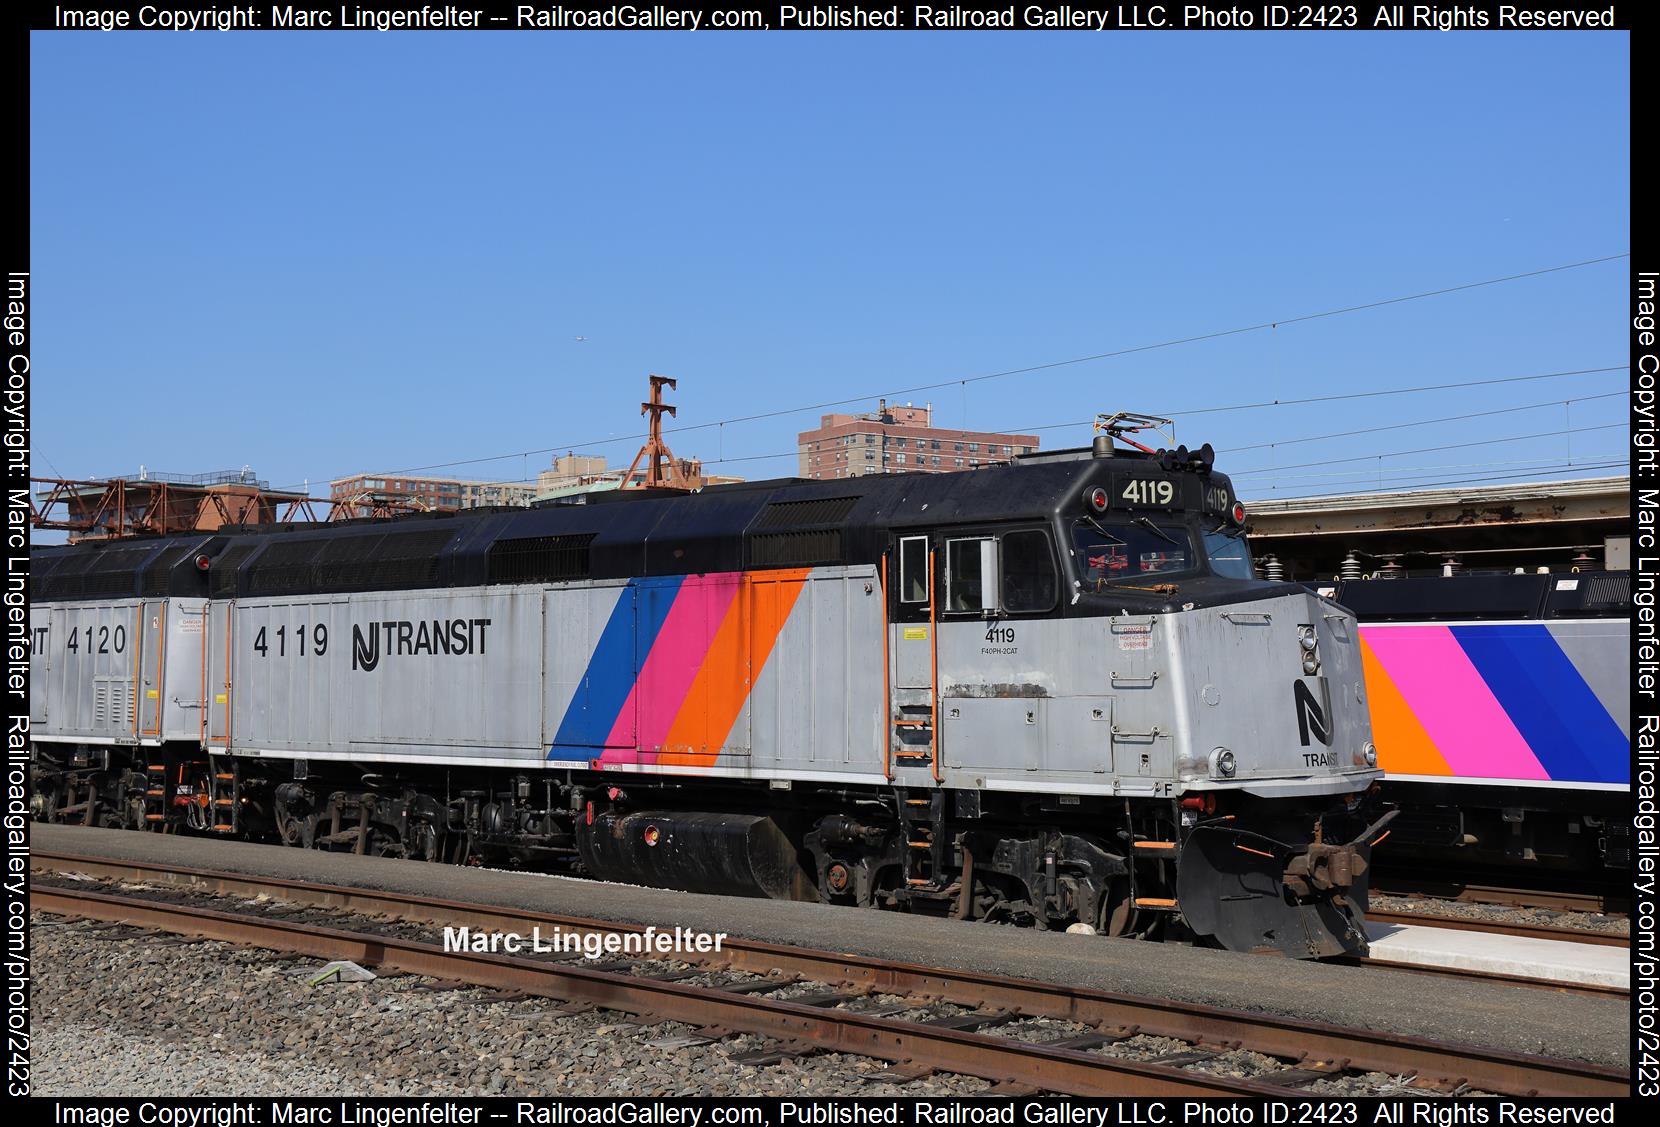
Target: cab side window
1029,581
913,569
971,575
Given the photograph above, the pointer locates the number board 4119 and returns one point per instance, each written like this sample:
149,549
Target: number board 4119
1146,492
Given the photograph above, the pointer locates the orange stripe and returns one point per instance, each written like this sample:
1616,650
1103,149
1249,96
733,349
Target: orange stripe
736,657
1404,748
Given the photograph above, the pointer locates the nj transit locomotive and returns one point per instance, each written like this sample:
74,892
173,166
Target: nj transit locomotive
1501,708
1047,692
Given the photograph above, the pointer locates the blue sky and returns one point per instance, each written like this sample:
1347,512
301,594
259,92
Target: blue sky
332,253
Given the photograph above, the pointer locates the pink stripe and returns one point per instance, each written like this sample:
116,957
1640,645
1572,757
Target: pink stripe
676,655
1467,724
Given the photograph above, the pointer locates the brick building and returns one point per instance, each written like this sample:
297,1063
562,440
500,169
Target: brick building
433,494
574,474
900,440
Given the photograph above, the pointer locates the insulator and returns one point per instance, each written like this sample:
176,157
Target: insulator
1451,566
1391,569
1272,568
1350,567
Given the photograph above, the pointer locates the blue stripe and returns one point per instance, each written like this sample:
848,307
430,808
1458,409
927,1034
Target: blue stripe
1569,730
614,665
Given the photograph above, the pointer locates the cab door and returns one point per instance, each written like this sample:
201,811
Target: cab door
216,676
914,656
150,662
911,612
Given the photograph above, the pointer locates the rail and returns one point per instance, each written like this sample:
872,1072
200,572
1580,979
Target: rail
1311,1049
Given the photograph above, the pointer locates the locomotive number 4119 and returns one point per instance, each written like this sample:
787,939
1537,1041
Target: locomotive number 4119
1149,491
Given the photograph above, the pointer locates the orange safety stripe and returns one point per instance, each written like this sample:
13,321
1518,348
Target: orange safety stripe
1404,748
736,657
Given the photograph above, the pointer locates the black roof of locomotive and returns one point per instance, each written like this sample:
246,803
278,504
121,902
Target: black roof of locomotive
1475,597
789,522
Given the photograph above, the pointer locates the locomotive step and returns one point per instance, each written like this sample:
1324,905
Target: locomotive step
1156,846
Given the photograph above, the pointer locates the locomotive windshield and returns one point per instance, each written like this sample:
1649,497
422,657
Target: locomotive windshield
1130,551
1229,555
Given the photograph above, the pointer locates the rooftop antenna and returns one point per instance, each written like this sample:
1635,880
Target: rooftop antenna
655,452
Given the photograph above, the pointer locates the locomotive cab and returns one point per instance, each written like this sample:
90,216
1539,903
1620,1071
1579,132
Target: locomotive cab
1121,648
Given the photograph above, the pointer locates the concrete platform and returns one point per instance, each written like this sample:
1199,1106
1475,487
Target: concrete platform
1552,960
1515,1018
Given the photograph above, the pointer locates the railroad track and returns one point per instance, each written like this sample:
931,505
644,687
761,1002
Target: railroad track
1306,1051
1597,902
1500,927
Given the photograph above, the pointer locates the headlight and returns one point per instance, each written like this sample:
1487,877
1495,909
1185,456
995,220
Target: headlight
1307,642
1369,753
1222,763
1311,665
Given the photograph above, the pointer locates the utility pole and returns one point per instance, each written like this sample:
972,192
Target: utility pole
677,475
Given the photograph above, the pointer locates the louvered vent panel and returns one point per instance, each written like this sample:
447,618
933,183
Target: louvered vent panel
793,514
796,549
541,559
1609,590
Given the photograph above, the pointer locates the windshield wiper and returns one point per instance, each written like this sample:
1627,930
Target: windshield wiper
1101,528
1147,523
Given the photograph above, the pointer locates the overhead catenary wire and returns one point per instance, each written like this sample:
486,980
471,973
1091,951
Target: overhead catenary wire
1495,477
1423,450
1048,366
1409,473
1443,467
1429,422
1432,421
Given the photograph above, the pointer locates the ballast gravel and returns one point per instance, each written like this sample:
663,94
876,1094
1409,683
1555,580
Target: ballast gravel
119,1014
1501,913
125,1012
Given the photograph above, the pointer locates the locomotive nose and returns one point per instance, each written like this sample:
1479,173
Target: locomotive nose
1251,892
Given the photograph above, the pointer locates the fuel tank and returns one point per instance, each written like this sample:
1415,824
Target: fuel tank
726,854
